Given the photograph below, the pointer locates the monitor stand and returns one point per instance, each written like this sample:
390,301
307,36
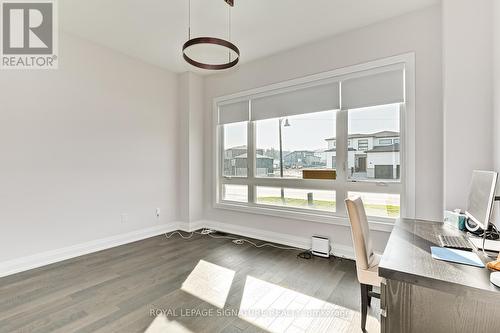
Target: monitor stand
497,199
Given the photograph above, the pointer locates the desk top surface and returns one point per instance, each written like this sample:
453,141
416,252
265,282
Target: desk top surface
407,257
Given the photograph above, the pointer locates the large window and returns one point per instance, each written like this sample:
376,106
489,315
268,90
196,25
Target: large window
307,147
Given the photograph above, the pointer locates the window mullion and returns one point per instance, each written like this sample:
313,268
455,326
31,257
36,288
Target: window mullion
341,157
403,161
251,161
220,159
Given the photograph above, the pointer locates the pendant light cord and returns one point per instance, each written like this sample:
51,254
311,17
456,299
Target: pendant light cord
212,41
189,19
229,30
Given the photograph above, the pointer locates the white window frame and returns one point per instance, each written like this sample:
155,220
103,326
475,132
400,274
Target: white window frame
406,187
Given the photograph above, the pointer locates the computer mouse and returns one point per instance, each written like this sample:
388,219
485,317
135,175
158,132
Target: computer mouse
495,278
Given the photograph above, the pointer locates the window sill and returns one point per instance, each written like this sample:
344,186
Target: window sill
377,225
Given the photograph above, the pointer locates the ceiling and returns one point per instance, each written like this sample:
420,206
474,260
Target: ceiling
154,30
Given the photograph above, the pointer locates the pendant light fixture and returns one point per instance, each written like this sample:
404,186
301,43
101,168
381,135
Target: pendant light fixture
212,41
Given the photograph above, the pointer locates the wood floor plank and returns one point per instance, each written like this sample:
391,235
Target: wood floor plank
127,288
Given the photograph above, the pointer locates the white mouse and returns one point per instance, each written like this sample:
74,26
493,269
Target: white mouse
495,278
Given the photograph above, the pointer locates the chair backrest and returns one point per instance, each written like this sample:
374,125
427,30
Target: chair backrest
360,233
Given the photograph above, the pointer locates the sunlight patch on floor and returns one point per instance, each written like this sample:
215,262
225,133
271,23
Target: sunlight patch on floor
162,324
210,283
277,309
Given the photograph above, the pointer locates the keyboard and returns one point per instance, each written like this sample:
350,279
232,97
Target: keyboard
455,242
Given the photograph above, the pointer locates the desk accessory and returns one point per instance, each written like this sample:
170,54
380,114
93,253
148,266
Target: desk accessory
456,256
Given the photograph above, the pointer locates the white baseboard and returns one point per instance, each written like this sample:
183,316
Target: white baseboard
269,236
191,226
49,257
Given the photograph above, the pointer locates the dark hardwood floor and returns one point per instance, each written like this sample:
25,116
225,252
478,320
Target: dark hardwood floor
190,286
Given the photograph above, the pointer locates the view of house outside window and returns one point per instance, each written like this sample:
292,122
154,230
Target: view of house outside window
309,147
374,150
373,155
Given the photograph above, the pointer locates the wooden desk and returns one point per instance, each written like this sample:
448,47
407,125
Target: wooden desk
421,294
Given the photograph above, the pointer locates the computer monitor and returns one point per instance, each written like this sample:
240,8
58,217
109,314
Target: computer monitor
481,197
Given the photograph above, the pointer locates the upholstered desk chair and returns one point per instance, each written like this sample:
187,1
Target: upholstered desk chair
366,260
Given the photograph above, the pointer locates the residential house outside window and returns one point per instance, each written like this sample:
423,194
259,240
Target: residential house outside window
299,150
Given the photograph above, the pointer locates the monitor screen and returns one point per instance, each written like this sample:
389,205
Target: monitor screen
481,197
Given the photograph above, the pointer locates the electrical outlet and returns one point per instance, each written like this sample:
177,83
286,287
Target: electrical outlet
124,218
157,212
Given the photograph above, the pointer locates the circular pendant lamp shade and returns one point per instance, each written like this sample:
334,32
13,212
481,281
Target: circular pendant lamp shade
210,49
210,52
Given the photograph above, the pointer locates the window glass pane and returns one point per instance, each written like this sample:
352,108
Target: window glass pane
238,193
379,204
235,149
374,149
307,142
298,198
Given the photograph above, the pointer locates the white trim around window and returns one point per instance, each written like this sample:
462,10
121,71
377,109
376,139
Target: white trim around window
406,187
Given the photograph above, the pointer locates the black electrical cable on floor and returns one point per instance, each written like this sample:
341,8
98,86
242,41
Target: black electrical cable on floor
240,241
235,240
305,255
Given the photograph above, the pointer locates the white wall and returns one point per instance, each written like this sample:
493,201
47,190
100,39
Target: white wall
467,95
419,32
191,117
496,94
81,145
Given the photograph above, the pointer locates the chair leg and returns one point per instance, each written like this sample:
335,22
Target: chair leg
370,289
364,305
